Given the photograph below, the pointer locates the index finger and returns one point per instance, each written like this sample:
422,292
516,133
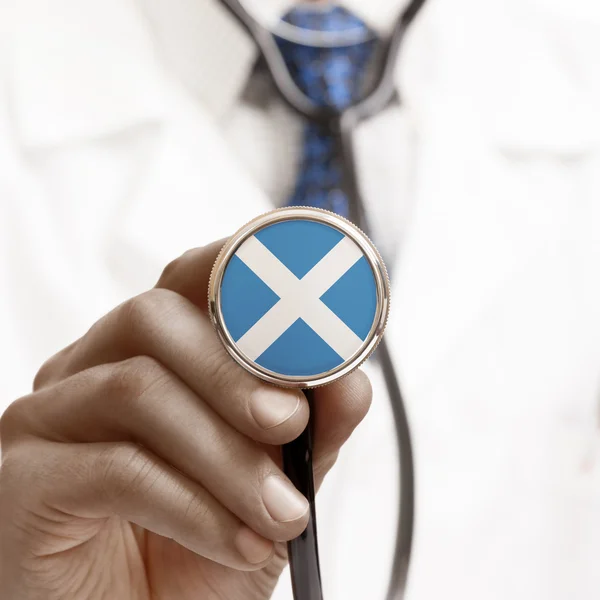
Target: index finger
188,275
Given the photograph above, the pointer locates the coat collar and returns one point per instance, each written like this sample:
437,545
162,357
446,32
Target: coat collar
88,69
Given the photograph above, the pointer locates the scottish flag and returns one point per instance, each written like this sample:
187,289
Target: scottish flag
299,298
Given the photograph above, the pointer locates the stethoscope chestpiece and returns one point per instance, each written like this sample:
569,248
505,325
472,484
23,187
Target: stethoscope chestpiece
299,297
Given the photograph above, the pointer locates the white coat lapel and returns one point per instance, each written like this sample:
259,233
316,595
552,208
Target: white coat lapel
470,230
490,197
478,222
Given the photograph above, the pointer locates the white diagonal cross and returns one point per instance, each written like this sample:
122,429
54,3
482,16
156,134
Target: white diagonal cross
299,298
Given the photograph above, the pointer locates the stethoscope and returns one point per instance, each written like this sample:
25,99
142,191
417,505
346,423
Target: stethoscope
297,456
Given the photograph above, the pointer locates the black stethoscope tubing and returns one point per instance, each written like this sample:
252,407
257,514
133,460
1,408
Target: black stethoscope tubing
297,456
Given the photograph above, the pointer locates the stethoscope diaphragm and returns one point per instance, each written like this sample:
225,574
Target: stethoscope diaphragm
299,297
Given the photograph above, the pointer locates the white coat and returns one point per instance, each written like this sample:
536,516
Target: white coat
130,131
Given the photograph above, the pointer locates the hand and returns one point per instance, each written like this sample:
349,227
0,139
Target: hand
146,463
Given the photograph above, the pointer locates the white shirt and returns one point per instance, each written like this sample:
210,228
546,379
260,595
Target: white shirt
128,134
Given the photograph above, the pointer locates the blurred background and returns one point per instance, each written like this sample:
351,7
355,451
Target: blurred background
133,130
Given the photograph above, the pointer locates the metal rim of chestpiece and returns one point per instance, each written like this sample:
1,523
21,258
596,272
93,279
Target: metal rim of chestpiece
369,251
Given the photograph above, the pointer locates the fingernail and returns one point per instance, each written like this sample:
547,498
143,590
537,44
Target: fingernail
283,501
254,548
271,408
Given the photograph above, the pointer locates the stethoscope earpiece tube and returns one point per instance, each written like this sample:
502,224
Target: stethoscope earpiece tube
303,552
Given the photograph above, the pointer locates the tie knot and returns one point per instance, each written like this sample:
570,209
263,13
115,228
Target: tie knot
329,75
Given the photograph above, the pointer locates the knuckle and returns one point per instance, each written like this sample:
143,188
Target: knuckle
176,269
13,420
140,312
132,379
122,470
182,274
44,374
50,371
169,271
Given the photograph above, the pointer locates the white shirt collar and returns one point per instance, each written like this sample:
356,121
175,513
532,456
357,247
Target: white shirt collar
89,69
378,14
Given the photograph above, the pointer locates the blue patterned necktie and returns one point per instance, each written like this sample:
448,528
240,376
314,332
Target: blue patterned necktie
330,77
